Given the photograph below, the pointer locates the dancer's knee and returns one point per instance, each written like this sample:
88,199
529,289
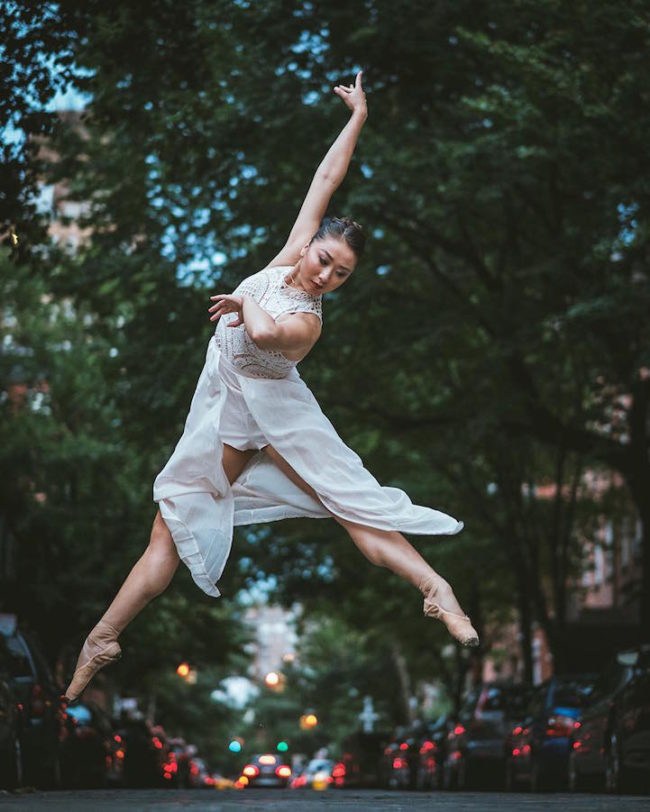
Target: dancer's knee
370,546
160,541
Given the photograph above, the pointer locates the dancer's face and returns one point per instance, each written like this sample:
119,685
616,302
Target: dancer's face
325,265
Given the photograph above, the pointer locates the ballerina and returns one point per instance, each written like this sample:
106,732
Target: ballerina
256,446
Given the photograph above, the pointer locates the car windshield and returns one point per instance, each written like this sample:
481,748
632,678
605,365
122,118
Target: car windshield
15,651
81,713
319,764
573,693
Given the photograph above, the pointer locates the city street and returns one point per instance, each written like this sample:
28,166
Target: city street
362,801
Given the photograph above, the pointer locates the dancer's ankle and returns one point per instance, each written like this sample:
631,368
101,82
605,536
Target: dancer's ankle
106,629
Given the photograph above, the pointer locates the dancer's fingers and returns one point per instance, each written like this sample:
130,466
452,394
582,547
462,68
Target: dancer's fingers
358,78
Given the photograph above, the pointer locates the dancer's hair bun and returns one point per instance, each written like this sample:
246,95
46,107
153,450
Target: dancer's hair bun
344,228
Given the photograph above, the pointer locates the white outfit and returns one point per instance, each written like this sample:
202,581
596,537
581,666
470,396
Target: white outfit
250,398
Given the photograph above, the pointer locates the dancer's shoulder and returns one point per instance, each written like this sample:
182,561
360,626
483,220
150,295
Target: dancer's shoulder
254,283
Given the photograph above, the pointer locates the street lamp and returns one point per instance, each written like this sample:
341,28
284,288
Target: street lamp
308,721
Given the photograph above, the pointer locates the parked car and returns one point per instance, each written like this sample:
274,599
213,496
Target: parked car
538,745
432,742
265,770
611,748
400,760
145,754
11,765
200,777
317,774
90,754
476,743
43,728
360,763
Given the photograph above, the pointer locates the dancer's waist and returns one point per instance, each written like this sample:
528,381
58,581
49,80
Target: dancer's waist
250,367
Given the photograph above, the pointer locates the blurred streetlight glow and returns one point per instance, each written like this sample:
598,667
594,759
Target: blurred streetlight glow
183,670
272,679
308,721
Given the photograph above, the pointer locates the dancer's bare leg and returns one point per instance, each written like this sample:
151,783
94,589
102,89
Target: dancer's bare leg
391,550
149,577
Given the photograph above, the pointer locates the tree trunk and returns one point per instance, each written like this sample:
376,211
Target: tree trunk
526,632
404,680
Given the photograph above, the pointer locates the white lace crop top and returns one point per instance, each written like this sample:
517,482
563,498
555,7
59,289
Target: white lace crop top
272,293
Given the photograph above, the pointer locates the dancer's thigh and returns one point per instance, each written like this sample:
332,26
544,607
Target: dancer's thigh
286,469
358,532
234,461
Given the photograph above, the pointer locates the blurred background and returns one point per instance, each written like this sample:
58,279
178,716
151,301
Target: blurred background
490,355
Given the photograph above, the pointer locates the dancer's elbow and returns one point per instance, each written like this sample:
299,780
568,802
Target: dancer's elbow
264,338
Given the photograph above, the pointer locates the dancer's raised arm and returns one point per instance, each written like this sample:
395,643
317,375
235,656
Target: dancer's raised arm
328,176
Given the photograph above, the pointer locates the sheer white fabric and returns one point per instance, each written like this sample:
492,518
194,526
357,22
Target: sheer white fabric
241,391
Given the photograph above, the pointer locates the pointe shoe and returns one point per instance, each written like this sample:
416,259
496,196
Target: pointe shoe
458,626
100,649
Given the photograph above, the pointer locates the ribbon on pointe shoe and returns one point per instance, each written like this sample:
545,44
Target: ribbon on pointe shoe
459,626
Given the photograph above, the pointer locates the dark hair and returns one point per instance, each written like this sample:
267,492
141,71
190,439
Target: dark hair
343,228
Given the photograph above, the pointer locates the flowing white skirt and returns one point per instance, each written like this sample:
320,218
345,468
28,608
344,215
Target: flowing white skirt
199,505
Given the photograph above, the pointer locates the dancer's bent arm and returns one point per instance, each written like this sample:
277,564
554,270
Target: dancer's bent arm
328,176
296,333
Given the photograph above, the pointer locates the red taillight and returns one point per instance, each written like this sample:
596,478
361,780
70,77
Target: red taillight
399,763
38,701
157,743
250,771
339,770
559,725
459,730
517,730
117,738
576,745
404,746
427,746
283,771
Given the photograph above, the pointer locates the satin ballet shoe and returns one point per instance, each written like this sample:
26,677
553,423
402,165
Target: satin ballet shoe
459,626
100,649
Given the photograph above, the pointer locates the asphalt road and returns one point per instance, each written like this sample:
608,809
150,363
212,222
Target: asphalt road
297,801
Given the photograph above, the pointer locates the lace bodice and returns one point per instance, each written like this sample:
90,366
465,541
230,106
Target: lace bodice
271,292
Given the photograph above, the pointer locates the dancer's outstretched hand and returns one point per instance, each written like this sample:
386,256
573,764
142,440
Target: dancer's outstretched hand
353,95
227,303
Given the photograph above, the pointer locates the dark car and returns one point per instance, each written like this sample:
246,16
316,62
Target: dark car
360,763
11,765
145,754
265,770
538,746
432,750
400,760
43,726
611,748
91,756
476,742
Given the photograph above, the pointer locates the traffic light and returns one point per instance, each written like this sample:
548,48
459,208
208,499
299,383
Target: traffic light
282,747
236,745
